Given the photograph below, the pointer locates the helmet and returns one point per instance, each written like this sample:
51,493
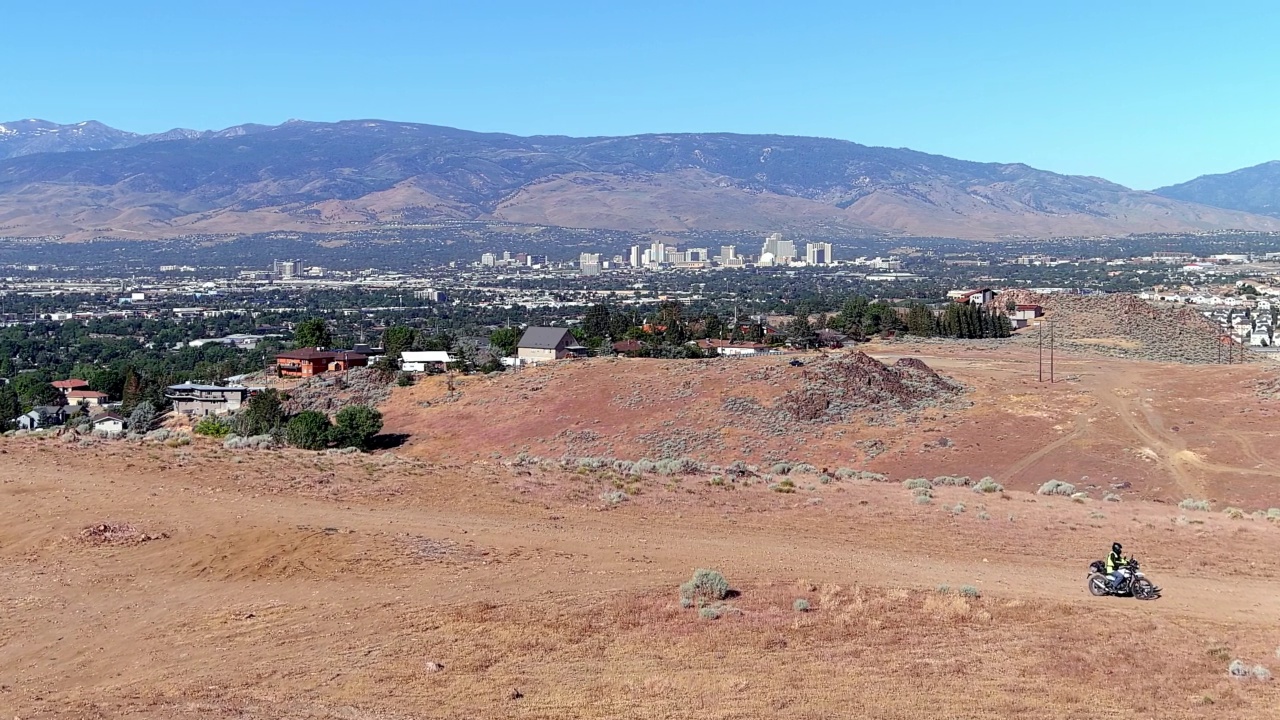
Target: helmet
1115,548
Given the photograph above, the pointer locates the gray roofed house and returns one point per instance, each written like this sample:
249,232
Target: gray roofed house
540,344
42,416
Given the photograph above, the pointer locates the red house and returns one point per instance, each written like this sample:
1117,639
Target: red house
66,386
308,362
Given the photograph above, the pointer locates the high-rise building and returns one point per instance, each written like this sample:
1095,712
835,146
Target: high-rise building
659,253
696,255
636,257
589,263
727,253
488,259
535,260
780,250
287,268
817,253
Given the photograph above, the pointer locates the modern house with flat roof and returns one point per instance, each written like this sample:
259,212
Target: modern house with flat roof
200,400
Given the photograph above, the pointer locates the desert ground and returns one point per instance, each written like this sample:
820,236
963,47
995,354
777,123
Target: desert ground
499,563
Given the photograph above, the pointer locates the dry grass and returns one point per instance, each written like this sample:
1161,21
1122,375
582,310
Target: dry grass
861,651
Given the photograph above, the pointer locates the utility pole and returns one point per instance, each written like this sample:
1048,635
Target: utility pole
1040,336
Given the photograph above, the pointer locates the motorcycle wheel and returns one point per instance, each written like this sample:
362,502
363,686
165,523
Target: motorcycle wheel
1097,586
1144,590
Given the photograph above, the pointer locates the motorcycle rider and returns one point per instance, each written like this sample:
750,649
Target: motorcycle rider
1115,561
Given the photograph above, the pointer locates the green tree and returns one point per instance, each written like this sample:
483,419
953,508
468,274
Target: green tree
10,406
106,380
356,426
920,320
34,389
211,426
712,326
800,332
504,341
398,338
262,415
312,333
596,321
130,389
143,417
309,430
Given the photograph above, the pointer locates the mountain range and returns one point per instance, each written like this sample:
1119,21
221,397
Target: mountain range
91,180
1253,189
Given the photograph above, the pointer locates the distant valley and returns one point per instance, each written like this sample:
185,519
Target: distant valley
89,180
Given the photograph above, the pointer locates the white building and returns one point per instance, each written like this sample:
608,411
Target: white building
422,360
780,251
817,253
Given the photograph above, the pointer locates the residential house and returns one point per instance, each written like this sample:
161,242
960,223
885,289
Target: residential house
1024,315
425,360
628,347
541,344
832,338
108,423
42,416
308,362
981,296
66,386
90,398
734,348
200,400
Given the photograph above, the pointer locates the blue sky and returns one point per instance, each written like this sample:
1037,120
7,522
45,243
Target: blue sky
1142,93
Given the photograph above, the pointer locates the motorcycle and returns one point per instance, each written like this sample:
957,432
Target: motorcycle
1132,582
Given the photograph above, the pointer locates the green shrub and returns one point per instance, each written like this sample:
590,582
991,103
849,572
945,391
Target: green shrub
705,586
800,605
988,485
944,589
923,499
678,466
1056,487
970,591
308,430
214,427
1111,497
957,509
780,468
804,468
1273,514
917,484
983,515
709,613
952,480
1193,504
404,379
922,492
356,426
787,485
